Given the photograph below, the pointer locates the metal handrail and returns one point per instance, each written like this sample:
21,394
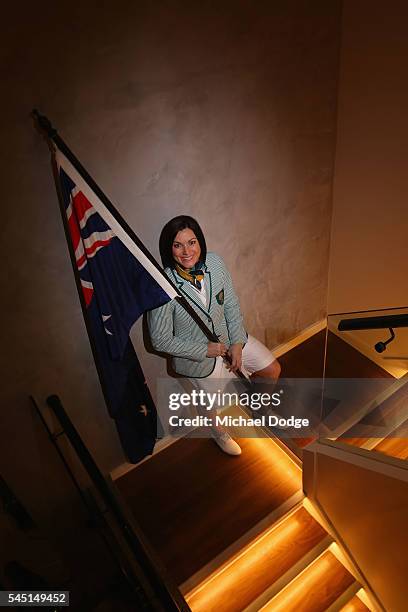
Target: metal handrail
380,322
166,593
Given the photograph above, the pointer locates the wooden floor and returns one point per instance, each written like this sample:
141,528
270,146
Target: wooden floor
192,500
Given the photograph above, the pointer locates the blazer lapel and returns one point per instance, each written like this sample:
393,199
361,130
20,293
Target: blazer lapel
188,290
208,287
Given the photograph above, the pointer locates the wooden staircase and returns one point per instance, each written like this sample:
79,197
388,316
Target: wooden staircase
237,535
292,565
395,441
388,415
268,551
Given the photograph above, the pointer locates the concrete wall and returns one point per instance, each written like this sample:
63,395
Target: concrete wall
369,246
225,111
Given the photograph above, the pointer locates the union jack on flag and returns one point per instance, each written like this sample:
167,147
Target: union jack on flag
119,283
92,238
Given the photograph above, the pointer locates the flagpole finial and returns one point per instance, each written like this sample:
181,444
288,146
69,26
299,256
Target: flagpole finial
44,123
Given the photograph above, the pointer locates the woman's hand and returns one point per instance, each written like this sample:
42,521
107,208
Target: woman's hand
235,353
216,349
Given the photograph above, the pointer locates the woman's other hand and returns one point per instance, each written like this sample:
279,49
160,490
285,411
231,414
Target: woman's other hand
235,353
216,349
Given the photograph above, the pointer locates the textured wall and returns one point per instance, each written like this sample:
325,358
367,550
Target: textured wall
369,245
224,110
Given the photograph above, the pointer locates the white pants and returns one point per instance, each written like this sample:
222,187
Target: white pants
255,356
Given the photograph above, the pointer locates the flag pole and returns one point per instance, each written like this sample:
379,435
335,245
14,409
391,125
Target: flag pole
46,126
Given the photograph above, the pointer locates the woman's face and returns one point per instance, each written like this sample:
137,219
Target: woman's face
186,248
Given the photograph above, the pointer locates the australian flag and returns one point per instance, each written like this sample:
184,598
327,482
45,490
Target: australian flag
118,285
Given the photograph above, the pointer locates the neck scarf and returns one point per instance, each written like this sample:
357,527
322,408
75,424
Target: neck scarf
193,276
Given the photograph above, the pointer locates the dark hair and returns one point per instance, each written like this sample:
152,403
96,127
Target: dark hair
169,232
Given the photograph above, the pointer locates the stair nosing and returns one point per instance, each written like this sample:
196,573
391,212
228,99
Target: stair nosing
294,571
327,549
272,520
344,597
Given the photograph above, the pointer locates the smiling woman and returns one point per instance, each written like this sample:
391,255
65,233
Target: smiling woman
205,281
186,249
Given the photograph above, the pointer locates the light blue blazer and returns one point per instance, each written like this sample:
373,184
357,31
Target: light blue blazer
174,332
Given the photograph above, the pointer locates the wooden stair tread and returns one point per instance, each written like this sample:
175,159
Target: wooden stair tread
355,441
394,446
315,589
388,410
193,501
243,579
383,415
355,605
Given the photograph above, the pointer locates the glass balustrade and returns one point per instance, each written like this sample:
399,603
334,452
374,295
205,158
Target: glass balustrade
365,390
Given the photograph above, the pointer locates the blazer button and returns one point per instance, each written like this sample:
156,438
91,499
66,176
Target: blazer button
209,320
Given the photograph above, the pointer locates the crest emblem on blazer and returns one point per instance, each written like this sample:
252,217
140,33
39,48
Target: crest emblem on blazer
220,297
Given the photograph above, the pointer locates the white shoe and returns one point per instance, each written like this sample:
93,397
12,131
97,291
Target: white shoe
227,444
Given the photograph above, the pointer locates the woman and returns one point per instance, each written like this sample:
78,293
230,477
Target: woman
206,283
